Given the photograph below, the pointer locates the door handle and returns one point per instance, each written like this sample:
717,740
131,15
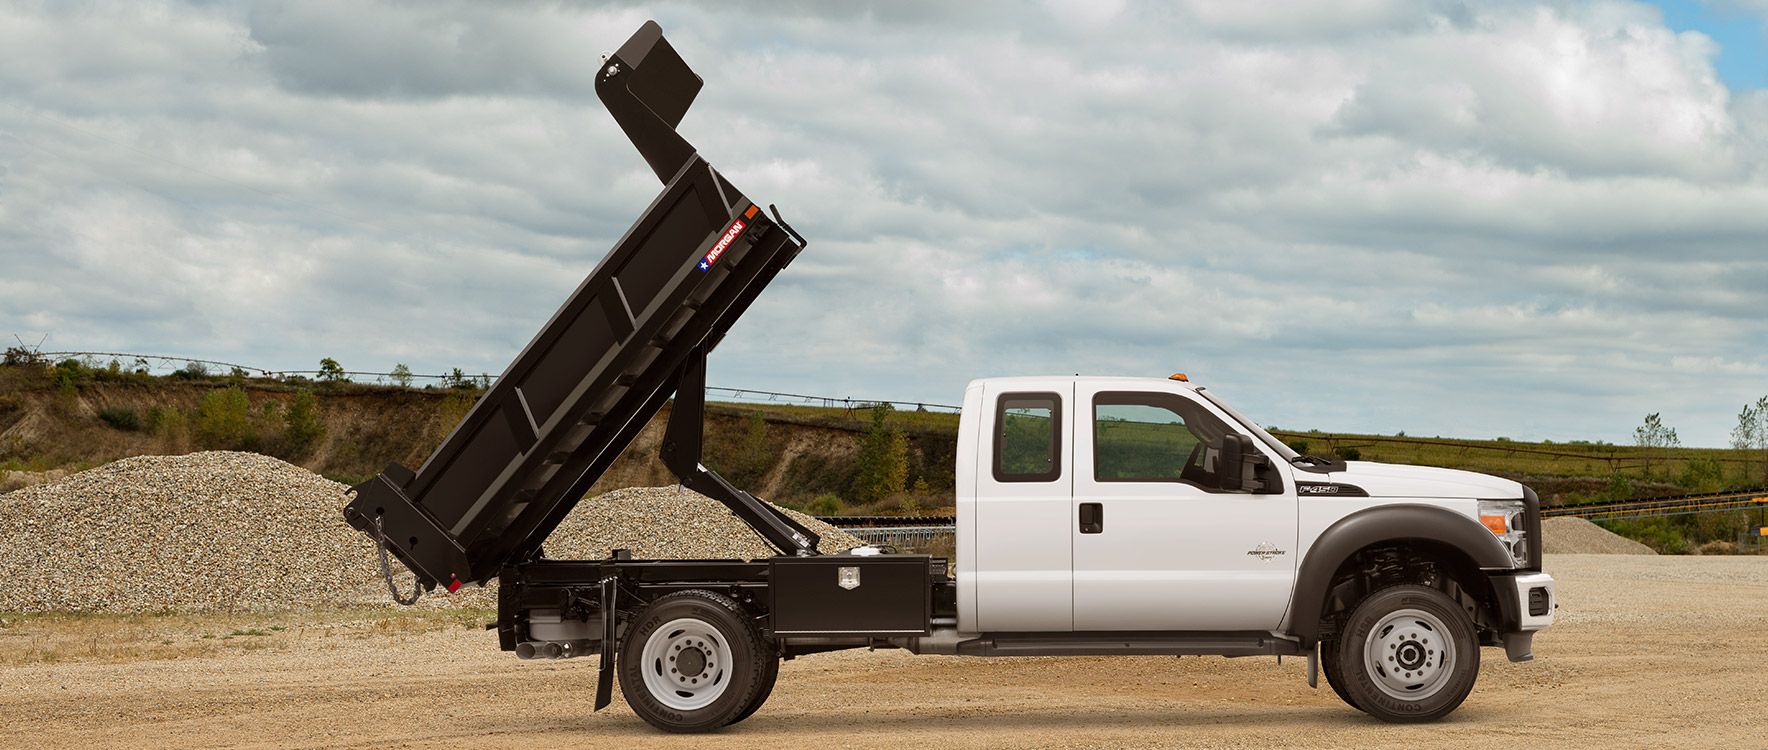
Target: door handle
1092,518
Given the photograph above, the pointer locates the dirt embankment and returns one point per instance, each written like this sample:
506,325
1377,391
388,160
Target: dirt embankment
364,428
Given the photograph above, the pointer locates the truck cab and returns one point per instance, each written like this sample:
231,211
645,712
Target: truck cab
1100,505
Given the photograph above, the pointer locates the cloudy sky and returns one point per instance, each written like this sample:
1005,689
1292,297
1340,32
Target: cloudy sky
1540,220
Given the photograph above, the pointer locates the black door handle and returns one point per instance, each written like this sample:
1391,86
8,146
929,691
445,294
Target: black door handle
1092,518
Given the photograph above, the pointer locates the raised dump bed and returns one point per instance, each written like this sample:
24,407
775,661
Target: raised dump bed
637,328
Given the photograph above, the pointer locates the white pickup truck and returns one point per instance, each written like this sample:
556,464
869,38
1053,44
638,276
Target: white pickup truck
1137,515
1095,515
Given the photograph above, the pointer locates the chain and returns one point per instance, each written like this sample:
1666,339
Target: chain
380,543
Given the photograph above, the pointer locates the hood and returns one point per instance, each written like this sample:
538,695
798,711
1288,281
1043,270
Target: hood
1395,480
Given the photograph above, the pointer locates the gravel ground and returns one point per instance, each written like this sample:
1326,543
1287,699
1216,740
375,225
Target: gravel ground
226,531
1649,651
1578,536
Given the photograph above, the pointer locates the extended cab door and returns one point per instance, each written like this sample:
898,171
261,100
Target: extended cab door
1157,544
1024,491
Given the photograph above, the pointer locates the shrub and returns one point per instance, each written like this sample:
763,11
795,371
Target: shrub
883,460
1718,547
752,455
1299,446
223,420
304,427
1702,475
330,371
824,505
401,375
167,423
124,418
270,421
1348,453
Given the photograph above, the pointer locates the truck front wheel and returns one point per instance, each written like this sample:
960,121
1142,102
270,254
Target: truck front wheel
1407,654
692,662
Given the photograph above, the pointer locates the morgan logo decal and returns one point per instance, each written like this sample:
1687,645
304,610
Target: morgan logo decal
847,578
723,242
1265,551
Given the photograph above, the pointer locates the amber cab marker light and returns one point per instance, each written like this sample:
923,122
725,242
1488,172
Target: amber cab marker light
750,214
1179,376
1495,523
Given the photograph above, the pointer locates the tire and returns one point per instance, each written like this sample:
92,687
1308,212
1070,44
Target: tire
692,662
769,674
1407,654
1335,675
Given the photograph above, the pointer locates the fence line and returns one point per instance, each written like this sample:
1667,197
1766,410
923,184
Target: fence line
746,395
1615,460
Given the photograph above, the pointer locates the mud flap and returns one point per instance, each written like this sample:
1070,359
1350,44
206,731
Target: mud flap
1314,667
604,681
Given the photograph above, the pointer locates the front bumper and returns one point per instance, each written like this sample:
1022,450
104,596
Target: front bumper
1525,606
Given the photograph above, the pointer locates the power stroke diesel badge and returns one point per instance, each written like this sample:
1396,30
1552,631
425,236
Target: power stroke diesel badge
1265,551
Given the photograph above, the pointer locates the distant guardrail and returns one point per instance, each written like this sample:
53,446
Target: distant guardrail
167,363
852,522
1656,507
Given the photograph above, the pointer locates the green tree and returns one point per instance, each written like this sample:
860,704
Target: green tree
401,375
1619,488
1655,438
330,371
304,427
223,420
1702,475
883,459
270,421
1751,432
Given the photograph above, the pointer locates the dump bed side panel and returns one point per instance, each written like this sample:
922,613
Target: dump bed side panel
606,361
576,395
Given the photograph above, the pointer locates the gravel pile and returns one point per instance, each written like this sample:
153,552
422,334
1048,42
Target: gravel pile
244,532
1576,536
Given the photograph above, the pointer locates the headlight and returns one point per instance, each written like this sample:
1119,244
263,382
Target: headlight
1504,518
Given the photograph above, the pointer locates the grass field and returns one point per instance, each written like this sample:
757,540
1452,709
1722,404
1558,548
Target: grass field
1574,459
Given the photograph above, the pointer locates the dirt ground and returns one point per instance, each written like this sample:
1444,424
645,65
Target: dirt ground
1648,652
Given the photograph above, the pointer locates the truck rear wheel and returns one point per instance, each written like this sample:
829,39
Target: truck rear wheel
1407,654
693,663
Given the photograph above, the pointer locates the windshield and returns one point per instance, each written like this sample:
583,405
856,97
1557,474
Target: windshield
1267,438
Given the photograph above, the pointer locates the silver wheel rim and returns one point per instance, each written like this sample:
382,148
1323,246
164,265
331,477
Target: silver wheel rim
1409,654
681,646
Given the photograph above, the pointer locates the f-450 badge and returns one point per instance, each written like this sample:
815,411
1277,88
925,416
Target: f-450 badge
1265,551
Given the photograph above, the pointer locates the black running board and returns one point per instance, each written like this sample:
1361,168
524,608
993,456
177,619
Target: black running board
1225,643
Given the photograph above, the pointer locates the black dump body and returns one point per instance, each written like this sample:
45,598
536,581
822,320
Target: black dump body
633,332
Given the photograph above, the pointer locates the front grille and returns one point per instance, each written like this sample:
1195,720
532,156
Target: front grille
1538,604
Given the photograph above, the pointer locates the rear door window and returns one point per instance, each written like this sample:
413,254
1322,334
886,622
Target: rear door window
1028,437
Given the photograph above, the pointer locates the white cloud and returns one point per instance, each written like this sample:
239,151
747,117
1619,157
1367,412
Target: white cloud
1529,219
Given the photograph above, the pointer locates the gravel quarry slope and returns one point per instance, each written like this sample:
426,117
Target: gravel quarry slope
1577,536
229,531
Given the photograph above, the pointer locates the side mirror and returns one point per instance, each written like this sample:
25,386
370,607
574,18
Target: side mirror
1237,455
1232,463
